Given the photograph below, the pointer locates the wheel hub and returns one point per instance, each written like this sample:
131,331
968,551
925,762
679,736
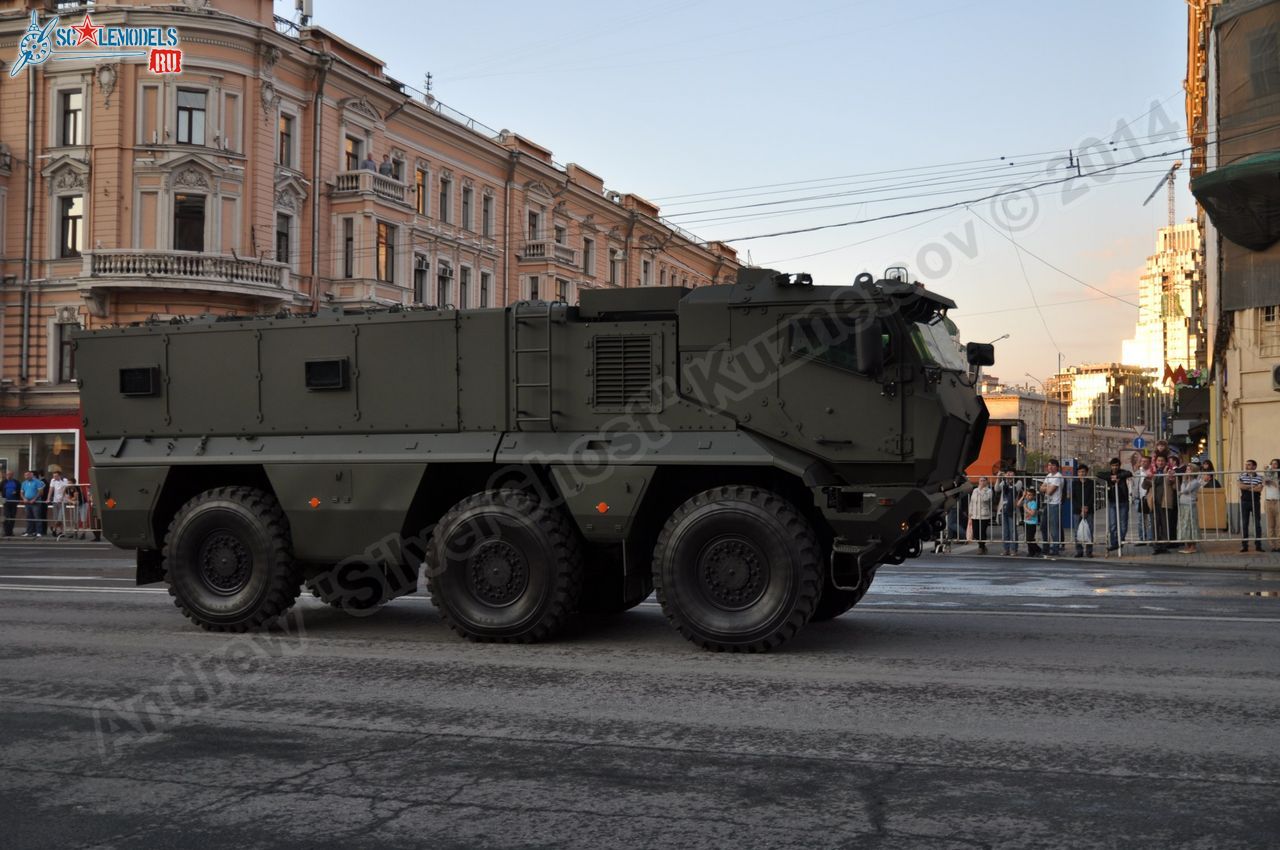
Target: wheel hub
497,573
225,563
733,573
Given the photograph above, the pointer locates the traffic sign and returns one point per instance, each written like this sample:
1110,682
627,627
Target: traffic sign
1139,443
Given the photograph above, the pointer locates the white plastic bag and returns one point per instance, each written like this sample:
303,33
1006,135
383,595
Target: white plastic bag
1084,534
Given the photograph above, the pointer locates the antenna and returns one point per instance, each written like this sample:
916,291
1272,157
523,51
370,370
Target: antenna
1167,179
307,10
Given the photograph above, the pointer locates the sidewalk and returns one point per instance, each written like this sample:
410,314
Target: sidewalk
1217,554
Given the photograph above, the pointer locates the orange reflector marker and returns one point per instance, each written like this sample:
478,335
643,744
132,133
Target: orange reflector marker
314,502
111,503
602,508
885,503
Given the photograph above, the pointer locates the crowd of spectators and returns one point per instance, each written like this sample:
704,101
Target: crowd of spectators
1160,493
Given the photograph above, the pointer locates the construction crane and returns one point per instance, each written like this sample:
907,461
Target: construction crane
1168,178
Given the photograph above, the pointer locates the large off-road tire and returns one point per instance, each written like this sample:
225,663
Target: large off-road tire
836,601
229,561
503,567
357,585
737,569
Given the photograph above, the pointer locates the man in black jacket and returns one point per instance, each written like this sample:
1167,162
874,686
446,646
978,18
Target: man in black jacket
1116,480
1082,510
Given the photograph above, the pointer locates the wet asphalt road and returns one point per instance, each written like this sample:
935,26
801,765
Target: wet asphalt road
962,704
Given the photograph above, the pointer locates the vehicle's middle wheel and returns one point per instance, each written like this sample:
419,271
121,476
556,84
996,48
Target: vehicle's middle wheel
737,568
505,568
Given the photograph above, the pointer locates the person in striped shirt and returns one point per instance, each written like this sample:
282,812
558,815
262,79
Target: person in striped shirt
1251,505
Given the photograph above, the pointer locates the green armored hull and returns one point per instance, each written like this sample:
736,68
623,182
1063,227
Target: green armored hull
753,452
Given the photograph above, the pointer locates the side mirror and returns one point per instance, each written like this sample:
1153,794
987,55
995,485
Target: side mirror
980,354
870,351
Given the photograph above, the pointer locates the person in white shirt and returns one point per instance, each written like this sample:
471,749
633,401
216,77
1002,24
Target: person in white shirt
57,498
1051,489
981,509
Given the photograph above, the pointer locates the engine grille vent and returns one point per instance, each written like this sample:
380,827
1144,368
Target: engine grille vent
623,372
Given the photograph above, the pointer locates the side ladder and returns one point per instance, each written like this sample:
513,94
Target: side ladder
541,316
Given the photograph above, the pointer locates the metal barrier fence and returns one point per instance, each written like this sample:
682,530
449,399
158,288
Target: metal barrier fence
1156,510
73,516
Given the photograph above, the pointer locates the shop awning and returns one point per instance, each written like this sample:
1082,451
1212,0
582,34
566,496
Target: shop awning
1243,199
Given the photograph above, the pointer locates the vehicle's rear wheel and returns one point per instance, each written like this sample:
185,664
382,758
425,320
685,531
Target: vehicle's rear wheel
229,560
737,568
836,601
505,568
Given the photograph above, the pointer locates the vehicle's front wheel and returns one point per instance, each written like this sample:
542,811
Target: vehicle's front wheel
229,560
737,568
505,568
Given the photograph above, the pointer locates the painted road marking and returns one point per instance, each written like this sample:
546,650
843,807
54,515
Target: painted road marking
926,611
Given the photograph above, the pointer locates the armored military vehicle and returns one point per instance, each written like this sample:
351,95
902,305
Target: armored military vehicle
753,452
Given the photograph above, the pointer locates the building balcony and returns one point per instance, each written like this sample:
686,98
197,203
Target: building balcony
370,183
108,269
543,250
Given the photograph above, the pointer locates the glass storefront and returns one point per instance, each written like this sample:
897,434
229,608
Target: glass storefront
43,451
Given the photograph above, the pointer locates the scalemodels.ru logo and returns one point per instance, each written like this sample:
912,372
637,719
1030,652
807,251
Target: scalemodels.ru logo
88,40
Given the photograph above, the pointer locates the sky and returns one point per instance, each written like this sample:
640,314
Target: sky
743,119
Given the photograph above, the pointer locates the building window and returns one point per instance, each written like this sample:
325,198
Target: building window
446,189
464,287
615,260
191,108
386,252
188,222
486,215
562,234
397,169
70,226
535,224
589,257
351,153
486,282
420,189
444,283
71,107
66,353
533,287
562,290
662,277
421,268
468,197
285,155
646,273
348,247
1269,331
283,225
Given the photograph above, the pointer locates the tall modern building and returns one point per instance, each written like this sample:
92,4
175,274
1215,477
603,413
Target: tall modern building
169,158
1170,304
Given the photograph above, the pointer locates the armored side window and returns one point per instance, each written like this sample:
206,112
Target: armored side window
856,343
140,381
332,373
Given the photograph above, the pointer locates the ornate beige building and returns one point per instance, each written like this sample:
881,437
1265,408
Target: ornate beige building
281,169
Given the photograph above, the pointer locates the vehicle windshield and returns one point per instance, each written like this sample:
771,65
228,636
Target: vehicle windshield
939,344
